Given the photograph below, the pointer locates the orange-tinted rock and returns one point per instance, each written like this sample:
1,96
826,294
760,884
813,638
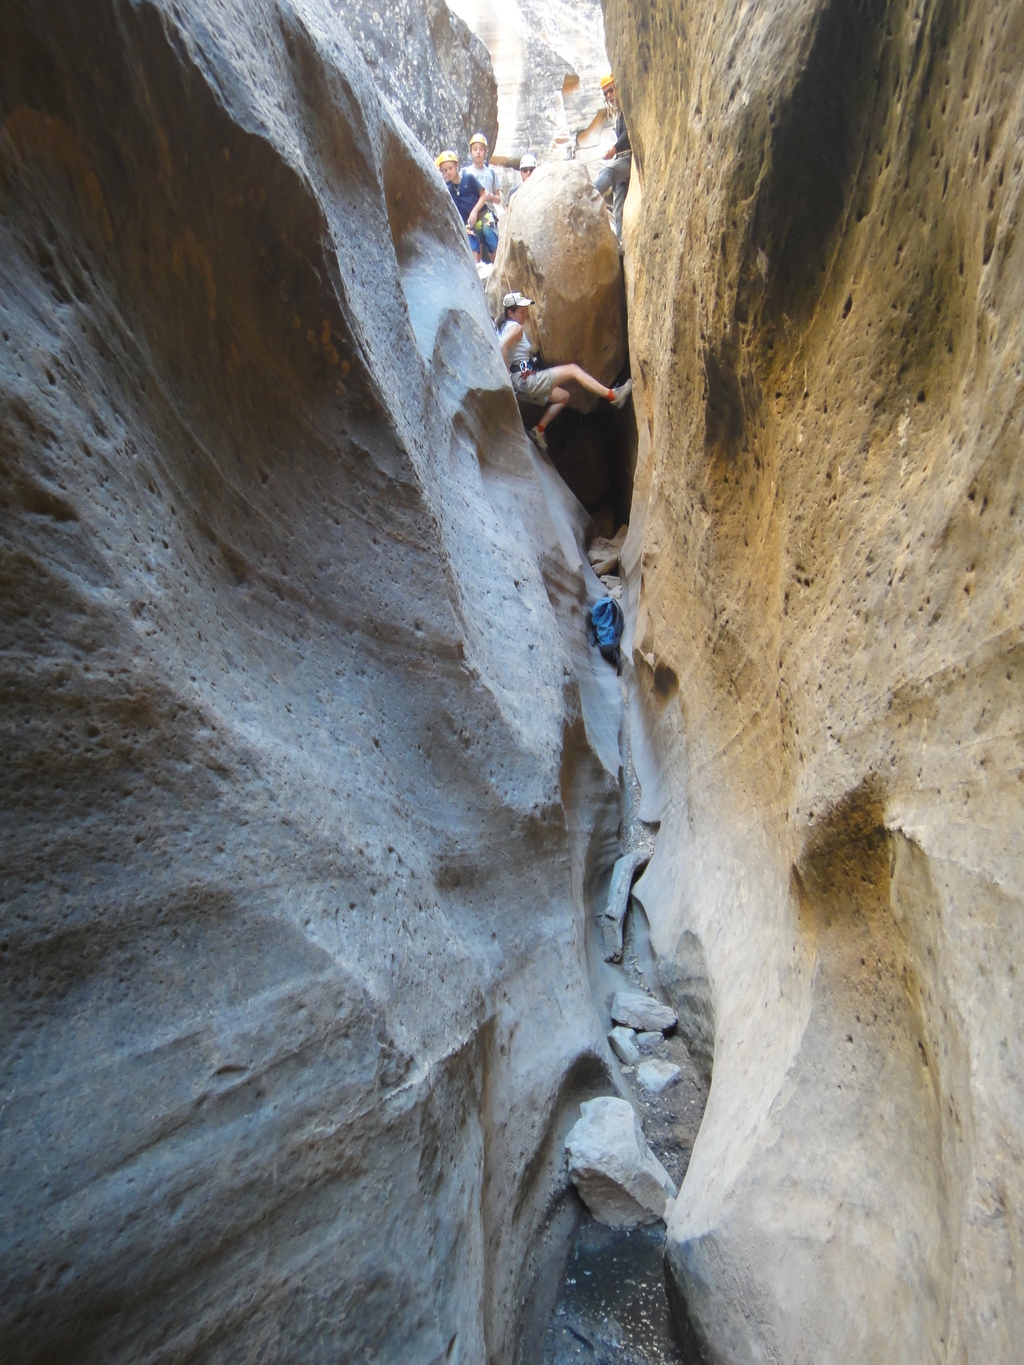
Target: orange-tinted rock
825,565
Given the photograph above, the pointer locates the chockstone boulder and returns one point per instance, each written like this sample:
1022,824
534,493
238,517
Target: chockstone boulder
293,742
825,610
557,247
619,1178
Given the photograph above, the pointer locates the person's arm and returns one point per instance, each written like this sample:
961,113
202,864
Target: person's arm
471,220
512,334
470,182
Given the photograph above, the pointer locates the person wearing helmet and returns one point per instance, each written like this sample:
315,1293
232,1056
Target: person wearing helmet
543,387
487,177
527,166
468,196
616,176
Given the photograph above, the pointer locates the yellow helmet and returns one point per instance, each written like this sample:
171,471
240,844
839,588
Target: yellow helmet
606,80
445,156
478,137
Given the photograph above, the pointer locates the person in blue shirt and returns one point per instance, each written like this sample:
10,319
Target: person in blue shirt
468,196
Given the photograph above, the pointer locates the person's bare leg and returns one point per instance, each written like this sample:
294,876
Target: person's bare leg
563,373
559,398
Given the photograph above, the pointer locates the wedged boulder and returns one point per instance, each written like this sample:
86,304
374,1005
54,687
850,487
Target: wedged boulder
619,1178
614,914
642,1012
558,247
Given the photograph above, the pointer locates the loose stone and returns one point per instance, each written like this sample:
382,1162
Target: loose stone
619,1178
623,1041
642,1012
657,1075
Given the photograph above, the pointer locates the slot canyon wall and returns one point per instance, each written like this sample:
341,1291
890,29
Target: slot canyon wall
299,782
548,58
825,283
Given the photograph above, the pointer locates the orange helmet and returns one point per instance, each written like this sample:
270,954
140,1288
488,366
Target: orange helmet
606,80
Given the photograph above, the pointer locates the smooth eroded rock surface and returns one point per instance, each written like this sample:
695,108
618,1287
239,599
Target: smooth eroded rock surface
291,1001
824,563
619,1178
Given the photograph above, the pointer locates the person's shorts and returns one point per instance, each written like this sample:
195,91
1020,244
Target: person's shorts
484,240
535,387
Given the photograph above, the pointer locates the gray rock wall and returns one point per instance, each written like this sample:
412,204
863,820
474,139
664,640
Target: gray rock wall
296,776
424,59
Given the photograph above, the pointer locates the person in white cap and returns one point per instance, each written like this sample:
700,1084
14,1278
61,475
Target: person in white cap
543,387
527,166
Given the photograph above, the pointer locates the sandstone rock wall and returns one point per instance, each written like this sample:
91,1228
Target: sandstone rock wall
434,71
825,289
296,776
548,58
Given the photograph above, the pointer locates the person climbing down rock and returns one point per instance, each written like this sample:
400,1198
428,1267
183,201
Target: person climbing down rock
539,386
616,176
468,196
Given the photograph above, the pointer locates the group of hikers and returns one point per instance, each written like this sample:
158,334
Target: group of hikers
475,190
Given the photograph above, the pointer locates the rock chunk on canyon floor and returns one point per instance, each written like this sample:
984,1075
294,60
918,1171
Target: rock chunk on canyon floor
619,1178
657,1075
642,1012
623,1041
558,247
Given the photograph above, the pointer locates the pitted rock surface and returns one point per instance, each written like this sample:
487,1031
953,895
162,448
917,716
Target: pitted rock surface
824,571
432,68
290,724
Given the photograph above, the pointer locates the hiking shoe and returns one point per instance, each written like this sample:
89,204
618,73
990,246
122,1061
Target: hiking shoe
538,438
622,393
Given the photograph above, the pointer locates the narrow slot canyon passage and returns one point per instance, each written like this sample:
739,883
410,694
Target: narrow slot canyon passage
613,1302
385,975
